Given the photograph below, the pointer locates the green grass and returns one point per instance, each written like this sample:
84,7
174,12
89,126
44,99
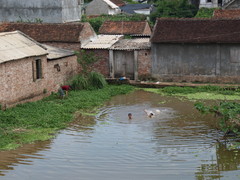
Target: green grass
33,121
199,93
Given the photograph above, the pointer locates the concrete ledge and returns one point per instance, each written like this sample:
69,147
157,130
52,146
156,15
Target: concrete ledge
144,84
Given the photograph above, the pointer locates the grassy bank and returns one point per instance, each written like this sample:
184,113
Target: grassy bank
200,93
39,120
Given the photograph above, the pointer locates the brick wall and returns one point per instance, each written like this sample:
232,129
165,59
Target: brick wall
18,81
60,71
102,65
144,63
18,85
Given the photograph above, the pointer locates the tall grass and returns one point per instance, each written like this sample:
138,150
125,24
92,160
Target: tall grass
96,80
91,81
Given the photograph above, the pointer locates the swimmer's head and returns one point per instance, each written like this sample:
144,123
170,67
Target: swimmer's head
129,115
151,114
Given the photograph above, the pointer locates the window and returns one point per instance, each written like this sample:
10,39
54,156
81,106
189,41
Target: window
208,1
37,69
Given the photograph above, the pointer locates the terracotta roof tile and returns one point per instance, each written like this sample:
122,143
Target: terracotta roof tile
168,30
125,27
224,14
118,2
46,32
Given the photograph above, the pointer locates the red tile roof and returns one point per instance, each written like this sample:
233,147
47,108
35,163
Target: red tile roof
169,30
46,32
125,27
118,2
224,14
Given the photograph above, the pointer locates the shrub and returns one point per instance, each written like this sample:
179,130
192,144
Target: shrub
79,82
96,80
205,13
92,80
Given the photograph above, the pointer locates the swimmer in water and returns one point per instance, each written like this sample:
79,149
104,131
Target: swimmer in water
129,115
149,113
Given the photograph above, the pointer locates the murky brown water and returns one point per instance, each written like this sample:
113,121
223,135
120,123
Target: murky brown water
178,143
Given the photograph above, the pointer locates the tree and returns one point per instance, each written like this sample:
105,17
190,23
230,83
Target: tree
173,8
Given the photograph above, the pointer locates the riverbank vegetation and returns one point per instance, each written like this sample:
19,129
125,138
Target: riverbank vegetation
200,93
225,103
40,120
229,115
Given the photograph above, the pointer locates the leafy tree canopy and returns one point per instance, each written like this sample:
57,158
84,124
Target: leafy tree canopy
173,8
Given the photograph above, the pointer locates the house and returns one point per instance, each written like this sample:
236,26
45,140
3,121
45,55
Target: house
137,9
99,7
132,28
131,58
224,4
30,71
100,47
209,3
62,35
56,11
121,57
231,4
196,50
227,14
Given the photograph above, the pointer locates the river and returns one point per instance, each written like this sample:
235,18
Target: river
176,143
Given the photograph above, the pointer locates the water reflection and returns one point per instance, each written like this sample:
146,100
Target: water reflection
226,160
177,143
24,155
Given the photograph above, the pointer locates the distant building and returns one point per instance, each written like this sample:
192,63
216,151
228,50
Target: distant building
209,3
99,7
133,28
54,11
196,50
121,57
100,47
224,4
30,71
137,9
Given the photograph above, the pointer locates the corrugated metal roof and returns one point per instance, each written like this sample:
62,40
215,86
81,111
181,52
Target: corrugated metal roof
16,45
57,53
102,42
132,44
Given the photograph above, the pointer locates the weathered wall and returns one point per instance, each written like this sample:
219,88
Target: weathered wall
196,62
17,77
144,63
97,7
60,71
102,64
71,10
54,11
17,81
